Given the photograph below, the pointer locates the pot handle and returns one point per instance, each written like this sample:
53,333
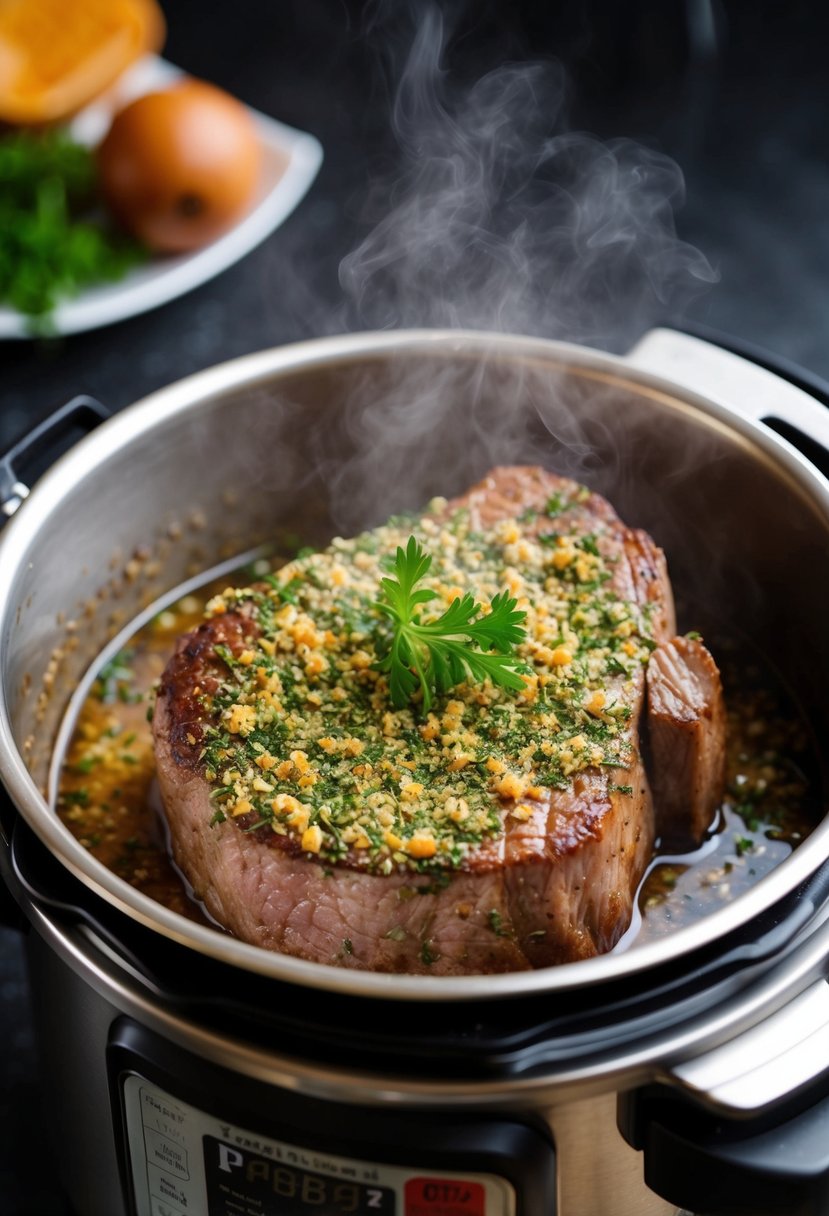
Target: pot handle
744,1129
716,1168
81,412
749,383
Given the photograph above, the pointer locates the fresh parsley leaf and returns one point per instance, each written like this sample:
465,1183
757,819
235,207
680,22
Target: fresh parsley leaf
436,655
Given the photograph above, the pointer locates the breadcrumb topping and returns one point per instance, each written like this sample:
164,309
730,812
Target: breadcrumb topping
307,743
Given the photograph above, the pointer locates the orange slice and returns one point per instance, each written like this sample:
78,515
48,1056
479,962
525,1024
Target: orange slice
58,55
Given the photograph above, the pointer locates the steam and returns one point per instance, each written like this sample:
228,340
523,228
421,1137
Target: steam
498,218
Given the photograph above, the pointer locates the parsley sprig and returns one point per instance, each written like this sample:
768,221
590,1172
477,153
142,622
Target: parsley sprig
438,654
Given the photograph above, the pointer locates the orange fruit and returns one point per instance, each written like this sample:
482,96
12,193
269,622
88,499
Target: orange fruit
179,167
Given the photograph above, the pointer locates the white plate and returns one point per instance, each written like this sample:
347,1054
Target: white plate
162,279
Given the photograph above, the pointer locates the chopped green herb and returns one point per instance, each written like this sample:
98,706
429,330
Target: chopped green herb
226,654
115,679
496,923
288,591
427,954
87,763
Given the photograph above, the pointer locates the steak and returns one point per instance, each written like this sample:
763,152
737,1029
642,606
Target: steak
499,831
686,729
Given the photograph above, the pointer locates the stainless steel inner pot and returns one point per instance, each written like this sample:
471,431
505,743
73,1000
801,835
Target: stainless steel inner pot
330,436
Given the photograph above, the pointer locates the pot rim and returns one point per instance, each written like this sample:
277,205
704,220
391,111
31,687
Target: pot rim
246,372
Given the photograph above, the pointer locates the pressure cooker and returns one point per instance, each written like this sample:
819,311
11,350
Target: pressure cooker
191,1074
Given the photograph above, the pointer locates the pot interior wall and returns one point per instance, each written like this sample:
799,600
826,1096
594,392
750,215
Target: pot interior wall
330,448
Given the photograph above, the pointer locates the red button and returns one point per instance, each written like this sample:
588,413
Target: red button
444,1197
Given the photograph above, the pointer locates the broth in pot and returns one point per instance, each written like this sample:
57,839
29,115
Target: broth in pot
109,799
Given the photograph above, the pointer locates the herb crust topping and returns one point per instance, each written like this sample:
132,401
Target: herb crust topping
305,742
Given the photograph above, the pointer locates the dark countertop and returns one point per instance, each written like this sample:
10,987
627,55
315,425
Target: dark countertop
744,110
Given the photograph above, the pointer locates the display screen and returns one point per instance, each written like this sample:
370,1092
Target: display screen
188,1162
239,1182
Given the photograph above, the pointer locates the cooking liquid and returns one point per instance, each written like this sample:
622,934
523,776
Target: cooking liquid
108,795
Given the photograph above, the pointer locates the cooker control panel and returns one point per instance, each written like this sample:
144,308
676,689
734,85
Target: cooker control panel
184,1161
197,1138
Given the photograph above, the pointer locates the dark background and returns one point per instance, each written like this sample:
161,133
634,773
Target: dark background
735,92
